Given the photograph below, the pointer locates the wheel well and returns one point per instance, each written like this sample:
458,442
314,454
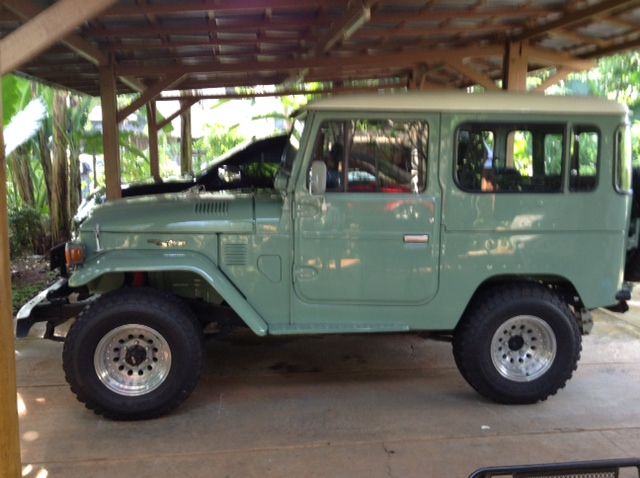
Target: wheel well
560,285
184,284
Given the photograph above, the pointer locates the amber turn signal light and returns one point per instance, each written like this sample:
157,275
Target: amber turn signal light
74,254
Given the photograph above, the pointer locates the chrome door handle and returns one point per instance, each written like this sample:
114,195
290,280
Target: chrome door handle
416,238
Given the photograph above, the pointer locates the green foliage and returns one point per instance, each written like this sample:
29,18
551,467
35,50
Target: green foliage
216,142
26,232
16,93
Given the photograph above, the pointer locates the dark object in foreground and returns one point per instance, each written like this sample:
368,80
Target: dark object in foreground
575,469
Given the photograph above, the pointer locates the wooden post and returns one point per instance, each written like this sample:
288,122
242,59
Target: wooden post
515,67
9,436
110,132
186,152
152,129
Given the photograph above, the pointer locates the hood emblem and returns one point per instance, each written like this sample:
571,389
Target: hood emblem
168,243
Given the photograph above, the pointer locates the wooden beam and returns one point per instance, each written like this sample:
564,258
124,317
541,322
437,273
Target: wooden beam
217,6
286,92
184,106
9,436
293,27
422,32
558,76
578,38
553,58
615,48
332,63
110,132
474,75
515,66
291,43
152,130
341,30
577,16
149,94
442,14
353,19
45,29
25,10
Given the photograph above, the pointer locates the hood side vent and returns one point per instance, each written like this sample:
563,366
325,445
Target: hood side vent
212,208
235,254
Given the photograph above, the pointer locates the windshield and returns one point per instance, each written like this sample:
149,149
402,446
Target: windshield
294,144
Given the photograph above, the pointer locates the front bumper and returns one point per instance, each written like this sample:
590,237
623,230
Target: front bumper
50,305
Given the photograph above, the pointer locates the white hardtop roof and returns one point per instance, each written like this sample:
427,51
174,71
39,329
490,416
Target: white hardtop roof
474,102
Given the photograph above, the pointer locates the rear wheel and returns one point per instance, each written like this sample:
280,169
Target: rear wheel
517,344
133,354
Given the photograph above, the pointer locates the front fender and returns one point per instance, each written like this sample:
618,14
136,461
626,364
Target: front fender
150,261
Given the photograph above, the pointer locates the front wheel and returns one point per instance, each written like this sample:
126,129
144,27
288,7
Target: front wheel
133,354
517,344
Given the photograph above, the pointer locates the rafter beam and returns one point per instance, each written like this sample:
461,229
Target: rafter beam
558,76
576,16
615,48
581,40
447,14
45,29
354,62
293,27
285,92
25,11
217,6
185,104
149,94
474,75
354,19
553,58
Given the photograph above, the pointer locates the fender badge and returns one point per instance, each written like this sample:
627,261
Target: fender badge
167,243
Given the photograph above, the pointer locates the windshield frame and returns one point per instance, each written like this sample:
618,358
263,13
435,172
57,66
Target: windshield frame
292,150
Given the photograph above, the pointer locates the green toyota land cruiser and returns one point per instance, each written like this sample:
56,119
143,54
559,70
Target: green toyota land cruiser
496,220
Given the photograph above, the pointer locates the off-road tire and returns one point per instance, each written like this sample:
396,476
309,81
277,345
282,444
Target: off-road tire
151,308
473,337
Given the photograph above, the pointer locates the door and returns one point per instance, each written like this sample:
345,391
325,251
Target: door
373,237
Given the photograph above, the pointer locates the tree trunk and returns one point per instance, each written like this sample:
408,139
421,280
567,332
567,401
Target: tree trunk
22,176
186,160
75,181
59,177
43,147
45,162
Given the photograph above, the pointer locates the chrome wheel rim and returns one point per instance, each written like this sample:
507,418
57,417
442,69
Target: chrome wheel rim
523,348
132,360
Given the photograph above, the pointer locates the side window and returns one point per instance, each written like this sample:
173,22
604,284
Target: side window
583,173
509,158
623,172
374,156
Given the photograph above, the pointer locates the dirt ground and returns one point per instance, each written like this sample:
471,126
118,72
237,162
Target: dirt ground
29,275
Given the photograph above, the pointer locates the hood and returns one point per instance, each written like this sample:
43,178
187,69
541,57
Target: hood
175,213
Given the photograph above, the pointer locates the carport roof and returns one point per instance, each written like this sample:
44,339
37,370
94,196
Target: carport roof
194,44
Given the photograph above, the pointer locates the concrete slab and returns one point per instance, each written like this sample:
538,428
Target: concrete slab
336,406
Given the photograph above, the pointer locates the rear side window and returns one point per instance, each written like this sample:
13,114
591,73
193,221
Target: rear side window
583,173
509,158
623,159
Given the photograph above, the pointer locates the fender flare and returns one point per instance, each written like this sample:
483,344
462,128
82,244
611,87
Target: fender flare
150,261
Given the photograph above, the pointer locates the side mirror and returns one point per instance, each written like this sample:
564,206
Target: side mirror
281,181
318,178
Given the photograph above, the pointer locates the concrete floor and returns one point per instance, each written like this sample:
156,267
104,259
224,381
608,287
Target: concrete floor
336,406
